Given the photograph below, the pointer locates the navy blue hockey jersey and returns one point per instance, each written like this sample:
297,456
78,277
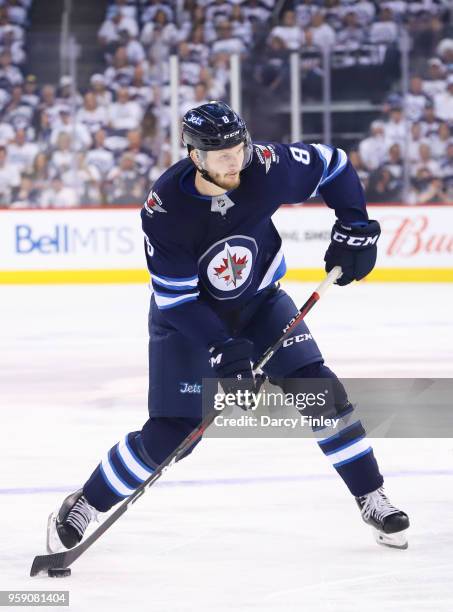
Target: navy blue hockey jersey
210,254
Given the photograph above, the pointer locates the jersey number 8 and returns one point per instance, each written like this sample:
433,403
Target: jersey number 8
300,155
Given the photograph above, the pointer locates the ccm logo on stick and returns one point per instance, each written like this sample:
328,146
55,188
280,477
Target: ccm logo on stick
299,338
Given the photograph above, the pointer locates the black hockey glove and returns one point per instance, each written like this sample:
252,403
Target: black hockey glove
232,362
354,249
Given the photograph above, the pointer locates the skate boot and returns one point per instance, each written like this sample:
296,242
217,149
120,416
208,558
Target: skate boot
66,527
389,524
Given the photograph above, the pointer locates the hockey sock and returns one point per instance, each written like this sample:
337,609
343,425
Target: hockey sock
132,460
345,445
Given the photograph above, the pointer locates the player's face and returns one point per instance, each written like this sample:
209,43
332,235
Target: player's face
225,166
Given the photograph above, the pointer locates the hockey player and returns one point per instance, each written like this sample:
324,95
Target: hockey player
215,258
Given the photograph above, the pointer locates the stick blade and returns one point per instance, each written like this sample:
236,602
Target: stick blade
42,563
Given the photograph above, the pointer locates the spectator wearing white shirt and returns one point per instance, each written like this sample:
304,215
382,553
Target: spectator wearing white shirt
289,31
17,12
142,156
443,102
9,178
48,103
304,12
373,149
40,174
445,51
63,156
429,122
242,28
434,83
79,132
439,142
22,153
59,196
26,195
124,183
365,11
141,90
219,10
123,7
320,34
17,110
6,25
120,73
200,97
124,114
396,127
254,9
109,32
189,67
426,162
351,33
384,31
9,75
6,133
99,156
13,46
98,86
160,35
416,100
67,94
415,140
199,50
226,41
91,114
30,91
149,12
134,49
394,162
80,176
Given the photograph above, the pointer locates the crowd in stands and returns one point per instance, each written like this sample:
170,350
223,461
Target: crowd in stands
108,143
409,151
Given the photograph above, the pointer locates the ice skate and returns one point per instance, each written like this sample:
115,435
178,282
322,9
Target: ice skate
389,524
66,527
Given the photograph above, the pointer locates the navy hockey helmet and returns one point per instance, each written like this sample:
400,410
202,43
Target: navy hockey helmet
214,126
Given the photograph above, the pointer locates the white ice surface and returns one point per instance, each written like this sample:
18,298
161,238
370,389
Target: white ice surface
241,524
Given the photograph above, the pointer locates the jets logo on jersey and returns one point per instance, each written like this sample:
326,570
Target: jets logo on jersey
226,268
154,204
232,267
266,154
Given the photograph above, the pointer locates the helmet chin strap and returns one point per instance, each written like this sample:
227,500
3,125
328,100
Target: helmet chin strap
204,173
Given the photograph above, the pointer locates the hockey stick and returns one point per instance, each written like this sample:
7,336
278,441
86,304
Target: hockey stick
64,559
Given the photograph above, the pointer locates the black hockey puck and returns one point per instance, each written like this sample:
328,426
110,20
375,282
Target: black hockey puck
57,572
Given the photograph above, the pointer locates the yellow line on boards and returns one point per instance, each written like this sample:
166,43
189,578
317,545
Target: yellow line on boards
379,275
50,277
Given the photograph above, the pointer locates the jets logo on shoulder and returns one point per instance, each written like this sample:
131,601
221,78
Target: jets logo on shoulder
266,154
226,268
154,204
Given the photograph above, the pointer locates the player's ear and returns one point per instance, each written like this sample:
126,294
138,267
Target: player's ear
196,158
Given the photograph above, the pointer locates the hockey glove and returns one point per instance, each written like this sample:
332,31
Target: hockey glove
231,360
354,249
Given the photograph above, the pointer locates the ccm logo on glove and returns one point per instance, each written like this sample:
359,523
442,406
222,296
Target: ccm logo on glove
354,241
354,249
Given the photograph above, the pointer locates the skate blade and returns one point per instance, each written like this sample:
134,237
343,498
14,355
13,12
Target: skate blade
53,542
392,540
